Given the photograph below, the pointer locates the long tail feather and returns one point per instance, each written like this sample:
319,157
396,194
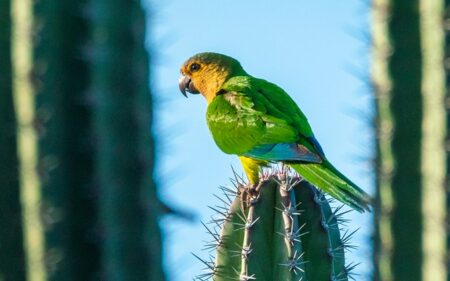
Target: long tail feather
330,180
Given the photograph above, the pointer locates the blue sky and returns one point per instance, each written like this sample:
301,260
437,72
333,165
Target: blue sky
312,49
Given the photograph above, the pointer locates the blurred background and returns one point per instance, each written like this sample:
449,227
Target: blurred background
106,171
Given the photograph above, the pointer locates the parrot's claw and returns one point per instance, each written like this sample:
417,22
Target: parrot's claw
256,188
250,194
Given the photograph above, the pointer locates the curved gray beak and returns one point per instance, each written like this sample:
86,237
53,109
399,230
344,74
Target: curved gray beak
186,85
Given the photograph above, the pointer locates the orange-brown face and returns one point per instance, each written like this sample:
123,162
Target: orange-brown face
188,70
205,73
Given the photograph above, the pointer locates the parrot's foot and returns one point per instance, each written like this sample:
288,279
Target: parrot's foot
250,194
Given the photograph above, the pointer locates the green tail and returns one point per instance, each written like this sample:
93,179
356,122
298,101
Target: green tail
329,179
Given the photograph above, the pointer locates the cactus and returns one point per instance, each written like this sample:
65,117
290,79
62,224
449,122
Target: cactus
66,153
129,207
447,116
286,230
48,67
12,257
447,120
410,124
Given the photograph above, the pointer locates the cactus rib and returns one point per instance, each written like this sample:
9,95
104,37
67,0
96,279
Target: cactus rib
284,231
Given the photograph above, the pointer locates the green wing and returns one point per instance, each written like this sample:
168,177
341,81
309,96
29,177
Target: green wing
255,118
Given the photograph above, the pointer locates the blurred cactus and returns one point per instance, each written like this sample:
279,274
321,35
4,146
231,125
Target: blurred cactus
129,208
66,153
447,132
410,125
284,231
12,258
85,133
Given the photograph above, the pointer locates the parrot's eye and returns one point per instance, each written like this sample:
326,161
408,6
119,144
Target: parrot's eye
194,67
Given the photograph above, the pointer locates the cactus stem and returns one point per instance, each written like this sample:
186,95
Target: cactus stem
279,232
250,222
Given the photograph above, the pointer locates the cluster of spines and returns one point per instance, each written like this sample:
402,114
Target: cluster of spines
238,219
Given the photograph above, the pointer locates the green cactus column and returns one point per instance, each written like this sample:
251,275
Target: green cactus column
408,83
12,257
27,139
384,124
284,231
128,203
405,68
64,125
447,118
433,166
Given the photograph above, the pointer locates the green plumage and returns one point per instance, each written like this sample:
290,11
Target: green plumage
251,112
254,118
259,122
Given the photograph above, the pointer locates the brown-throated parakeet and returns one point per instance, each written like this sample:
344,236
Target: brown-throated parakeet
258,121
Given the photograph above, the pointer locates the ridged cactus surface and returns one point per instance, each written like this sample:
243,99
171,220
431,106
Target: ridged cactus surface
61,79
286,230
129,205
12,256
410,119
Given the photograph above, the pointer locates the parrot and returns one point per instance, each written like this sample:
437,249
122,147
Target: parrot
261,124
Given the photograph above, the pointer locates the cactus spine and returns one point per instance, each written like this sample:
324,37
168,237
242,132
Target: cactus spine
286,230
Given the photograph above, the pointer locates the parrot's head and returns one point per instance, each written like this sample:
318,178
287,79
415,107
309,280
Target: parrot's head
205,74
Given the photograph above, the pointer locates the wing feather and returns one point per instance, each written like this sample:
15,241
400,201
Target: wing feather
255,118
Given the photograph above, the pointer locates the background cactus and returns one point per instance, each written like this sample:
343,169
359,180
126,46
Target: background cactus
447,116
408,78
285,231
67,157
12,258
129,206
61,79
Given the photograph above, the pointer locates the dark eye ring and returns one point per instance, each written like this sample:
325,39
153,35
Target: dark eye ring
194,67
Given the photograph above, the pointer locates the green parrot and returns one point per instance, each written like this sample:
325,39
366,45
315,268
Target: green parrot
260,123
